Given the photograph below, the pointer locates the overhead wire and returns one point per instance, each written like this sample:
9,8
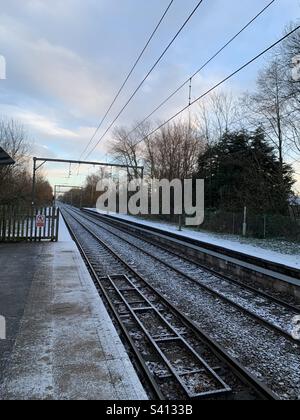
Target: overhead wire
128,77
190,78
147,75
221,83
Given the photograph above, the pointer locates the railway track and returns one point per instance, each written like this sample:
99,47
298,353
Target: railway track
258,289
179,360
266,309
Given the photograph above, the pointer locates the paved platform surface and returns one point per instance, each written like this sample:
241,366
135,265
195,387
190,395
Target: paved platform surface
61,343
15,284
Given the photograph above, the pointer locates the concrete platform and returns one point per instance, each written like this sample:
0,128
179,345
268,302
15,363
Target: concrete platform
61,343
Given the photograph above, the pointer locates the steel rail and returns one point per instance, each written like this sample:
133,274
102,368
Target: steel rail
238,306
242,373
220,392
155,345
117,223
151,381
208,247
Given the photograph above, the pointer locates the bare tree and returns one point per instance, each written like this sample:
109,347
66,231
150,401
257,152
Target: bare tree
127,148
216,116
268,106
13,139
173,151
289,54
15,180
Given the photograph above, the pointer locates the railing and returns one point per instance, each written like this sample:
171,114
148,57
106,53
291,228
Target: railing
28,224
258,226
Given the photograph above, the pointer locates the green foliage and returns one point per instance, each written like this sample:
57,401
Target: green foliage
242,169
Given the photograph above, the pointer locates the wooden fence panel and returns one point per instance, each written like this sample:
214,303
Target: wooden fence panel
20,224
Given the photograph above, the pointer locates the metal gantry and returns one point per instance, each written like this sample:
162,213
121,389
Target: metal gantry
58,188
36,167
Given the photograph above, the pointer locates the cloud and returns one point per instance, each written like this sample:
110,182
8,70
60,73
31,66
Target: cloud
38,123
44,125
53,71
42,150
67,59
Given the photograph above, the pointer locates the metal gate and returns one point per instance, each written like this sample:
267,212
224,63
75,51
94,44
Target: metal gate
28,224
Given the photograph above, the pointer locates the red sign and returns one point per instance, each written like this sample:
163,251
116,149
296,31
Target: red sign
40,221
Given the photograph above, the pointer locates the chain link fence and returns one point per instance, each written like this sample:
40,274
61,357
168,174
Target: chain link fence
257,226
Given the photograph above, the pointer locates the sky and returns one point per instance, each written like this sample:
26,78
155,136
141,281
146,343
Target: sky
66,59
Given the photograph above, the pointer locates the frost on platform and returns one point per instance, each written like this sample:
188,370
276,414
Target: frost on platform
67,347
63,234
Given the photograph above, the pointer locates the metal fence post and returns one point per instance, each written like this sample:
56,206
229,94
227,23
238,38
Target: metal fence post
265,226
245,222
57,225
180,223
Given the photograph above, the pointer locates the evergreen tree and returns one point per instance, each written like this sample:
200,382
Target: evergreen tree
243,170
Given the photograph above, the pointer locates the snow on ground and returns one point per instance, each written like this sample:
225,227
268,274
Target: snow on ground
67,347
276,251
63,234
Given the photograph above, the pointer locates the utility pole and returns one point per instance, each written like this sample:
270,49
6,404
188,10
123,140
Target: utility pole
33,182
190,101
